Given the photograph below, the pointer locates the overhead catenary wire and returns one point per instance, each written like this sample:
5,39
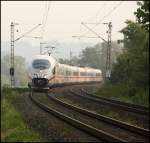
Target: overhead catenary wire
99,11
109,13
44,14
27,32
45,17
83,44
44,20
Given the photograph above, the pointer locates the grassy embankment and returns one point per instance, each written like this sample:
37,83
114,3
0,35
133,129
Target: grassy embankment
13,127
120,92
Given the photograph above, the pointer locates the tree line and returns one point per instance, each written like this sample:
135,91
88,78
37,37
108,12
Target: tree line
132,66
95,56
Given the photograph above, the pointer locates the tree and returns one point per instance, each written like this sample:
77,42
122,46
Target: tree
132,67
94,57
142,14
90,57
64,61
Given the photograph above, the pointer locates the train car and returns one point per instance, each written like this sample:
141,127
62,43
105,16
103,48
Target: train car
44,72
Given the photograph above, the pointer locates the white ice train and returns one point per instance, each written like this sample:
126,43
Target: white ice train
44,72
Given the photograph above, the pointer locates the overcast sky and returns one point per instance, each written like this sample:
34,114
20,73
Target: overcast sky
65,17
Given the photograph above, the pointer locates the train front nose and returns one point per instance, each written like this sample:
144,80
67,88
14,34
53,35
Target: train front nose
40,82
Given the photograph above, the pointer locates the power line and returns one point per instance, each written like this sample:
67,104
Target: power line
84,37
45,17
13,40
33,37
108,52
47,12
110,12
27,32
94,32
99,10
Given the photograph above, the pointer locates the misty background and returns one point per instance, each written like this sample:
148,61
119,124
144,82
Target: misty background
63,22
91,56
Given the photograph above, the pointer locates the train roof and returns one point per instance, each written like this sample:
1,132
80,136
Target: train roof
43,57
74,68
88,69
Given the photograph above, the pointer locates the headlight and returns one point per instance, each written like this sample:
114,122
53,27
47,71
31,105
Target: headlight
45,76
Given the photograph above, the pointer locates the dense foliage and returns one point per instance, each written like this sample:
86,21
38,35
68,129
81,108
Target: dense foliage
132,67
142,14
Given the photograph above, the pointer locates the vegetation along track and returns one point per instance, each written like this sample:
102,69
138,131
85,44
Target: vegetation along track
133,107
113,103
74,119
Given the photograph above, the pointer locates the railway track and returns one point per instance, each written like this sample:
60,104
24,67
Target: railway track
135,129
113,103
104,109
133,106
80,125
101,134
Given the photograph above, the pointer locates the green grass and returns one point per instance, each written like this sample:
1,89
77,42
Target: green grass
13,127
122,92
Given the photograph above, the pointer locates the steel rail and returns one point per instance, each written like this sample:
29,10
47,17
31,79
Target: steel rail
119,106
129,127
145,109
80,125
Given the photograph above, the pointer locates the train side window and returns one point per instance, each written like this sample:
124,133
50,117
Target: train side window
90,74
68,73
60,72
75,73
97,74
82,73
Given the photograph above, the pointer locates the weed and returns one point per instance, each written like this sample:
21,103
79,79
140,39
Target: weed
13,128
124,93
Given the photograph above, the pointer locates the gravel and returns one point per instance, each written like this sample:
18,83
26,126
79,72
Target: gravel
51,128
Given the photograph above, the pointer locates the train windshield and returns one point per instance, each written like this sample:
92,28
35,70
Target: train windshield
41,64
